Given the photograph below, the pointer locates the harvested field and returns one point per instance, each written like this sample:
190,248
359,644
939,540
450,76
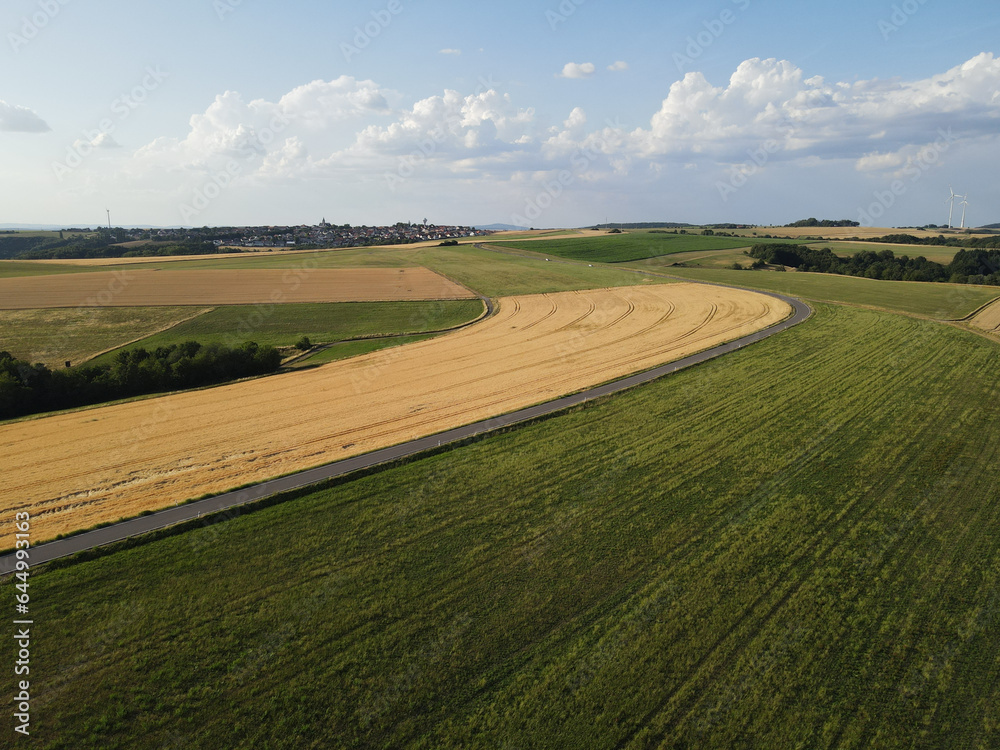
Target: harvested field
988,319
104,464
146,288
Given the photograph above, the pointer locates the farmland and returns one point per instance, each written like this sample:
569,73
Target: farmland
121,460
940,301
988,319
794,546
284,325
77,334
621,248
149,288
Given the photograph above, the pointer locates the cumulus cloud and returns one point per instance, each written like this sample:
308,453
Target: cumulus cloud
772,100
449,51
577,70
619,66
450,129
17,119
233,128
347,128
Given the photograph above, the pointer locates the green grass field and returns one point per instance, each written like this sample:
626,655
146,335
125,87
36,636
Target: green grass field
941,301
54,336
942,255
284,325
627,247
498,274
356,348
797,545
16,268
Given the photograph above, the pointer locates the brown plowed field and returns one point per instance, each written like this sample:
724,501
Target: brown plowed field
75,470
988,318
144,288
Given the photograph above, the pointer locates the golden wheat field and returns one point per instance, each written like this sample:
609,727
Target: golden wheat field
75,470
988,319
154,288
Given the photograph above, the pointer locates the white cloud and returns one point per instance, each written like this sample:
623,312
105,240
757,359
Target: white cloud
233,128
771,100
17,119
449,51
577,70
456,145
619,66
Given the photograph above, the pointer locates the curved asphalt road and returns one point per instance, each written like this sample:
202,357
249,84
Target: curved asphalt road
232,501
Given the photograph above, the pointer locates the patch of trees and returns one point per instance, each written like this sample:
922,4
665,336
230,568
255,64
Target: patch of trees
974,266
642,225
99,249
33,388
825,223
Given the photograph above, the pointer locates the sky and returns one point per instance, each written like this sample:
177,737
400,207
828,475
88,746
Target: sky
546,114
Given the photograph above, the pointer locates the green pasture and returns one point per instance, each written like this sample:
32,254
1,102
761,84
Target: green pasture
284,325
622,248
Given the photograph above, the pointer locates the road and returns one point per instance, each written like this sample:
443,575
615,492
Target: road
231,503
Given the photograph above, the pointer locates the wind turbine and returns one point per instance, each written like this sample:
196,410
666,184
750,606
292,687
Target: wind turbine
951,213
965,205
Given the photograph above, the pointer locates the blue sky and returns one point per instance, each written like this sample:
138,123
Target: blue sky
547,113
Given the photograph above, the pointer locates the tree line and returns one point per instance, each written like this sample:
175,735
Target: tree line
974,266
27,388
97,248
825,223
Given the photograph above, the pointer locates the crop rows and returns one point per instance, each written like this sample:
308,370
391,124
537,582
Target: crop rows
793,546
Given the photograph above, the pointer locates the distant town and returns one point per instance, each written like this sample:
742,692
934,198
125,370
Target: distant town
323,234
111,242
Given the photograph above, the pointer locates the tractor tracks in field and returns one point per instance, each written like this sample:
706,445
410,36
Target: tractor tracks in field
231,503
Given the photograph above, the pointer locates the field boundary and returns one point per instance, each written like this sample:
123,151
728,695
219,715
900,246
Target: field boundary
488,311
206,311
159,521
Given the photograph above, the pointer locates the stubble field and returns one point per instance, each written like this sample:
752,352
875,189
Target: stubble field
117,461
988,319
145,288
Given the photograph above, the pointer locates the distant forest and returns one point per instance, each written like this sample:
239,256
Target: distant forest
27,388
974,266
826,223
97,245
